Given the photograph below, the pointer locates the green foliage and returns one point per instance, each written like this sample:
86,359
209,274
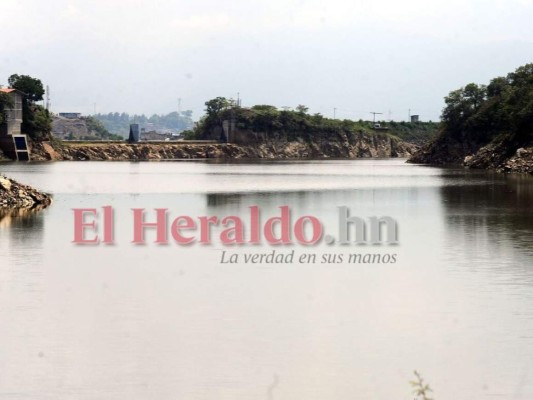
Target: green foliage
264,107
189,134
216,105
302,109
462,104
477,114
99,131
217,110
36,121
414,132
32,87
295,124
420,389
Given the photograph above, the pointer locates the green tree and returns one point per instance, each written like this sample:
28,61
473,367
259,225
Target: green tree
96,128
302,109
215,106
477,114
32,87
497,87
461,104
36,121
264,107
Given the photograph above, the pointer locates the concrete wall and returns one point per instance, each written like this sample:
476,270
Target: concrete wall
15,147
13,116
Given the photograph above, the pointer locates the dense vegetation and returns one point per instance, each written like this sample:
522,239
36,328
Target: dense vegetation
413,132
500,113
119,123
36,120
297,123
479,112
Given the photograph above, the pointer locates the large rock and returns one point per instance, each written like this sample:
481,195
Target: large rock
16,195
503,154
522,161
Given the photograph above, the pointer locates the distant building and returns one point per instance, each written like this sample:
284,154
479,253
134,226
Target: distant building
12,142
415,118
70,115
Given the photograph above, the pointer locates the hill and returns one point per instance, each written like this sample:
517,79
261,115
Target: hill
266,123
487,126
83,128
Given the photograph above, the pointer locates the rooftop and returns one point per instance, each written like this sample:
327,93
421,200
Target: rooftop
10,90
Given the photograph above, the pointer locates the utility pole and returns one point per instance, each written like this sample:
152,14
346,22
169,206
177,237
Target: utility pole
409,116
94,109
375,113
335,113
47,98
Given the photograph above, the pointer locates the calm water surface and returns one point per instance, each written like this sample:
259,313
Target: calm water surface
171,322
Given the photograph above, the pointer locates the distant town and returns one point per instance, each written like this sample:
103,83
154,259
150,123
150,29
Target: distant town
116,126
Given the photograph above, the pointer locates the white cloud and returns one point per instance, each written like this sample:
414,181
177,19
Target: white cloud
70,11
148,52
201,23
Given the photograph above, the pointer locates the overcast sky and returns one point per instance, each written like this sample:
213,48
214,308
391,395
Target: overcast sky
357,56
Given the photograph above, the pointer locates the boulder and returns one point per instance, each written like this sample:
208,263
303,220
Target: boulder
16,195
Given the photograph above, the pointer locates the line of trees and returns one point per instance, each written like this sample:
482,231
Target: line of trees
476,114
294,124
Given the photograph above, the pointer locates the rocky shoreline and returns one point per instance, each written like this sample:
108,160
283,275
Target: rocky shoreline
494,156
498,155
349,146
16,195
486,126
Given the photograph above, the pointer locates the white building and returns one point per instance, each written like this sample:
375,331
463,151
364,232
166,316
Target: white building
13,115
12,142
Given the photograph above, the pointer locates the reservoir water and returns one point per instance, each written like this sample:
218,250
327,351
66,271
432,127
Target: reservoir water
172,322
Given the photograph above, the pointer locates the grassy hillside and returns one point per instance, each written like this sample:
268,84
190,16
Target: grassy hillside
299,124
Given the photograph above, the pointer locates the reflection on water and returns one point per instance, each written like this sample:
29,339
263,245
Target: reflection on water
23,217
489,220
21,233
497,208
220,199
166,322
